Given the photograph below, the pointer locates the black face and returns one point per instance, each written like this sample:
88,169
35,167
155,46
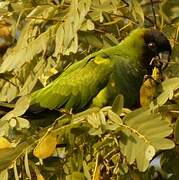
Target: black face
156,44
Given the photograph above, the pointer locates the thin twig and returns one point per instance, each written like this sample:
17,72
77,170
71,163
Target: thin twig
42,18
153,11
149,3
126,3
150,20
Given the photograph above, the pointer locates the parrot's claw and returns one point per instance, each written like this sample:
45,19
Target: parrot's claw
146,77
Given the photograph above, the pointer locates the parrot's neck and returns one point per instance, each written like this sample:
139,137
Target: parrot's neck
132,47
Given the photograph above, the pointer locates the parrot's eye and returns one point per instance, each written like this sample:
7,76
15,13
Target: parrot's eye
152,45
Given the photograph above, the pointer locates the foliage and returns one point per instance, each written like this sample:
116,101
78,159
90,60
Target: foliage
39,39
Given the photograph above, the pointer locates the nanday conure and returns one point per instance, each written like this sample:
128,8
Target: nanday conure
102,75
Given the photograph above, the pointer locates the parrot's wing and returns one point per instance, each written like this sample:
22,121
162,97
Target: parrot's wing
76,86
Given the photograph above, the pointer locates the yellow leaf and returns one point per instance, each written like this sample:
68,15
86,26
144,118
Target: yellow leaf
4,143
40,177
46,146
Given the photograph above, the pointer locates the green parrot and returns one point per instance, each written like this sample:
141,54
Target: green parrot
101,76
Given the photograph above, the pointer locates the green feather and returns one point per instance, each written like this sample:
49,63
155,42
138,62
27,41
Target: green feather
77,87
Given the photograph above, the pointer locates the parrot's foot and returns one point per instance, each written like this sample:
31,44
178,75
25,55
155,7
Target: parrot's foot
146,77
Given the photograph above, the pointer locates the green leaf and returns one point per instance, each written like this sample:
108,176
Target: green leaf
86,170
26,163
169,87
8,156
176,131
66,36
144,134
162,144
4,128
90,25
75,176
171,84
22,123
94,120
118,104
114,118
150,152
16,175
95,132
20,108
13,122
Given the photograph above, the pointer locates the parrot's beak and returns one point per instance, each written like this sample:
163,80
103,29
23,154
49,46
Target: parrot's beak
161,60
164,58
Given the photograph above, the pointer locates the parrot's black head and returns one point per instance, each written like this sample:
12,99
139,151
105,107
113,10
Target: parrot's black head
157,47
